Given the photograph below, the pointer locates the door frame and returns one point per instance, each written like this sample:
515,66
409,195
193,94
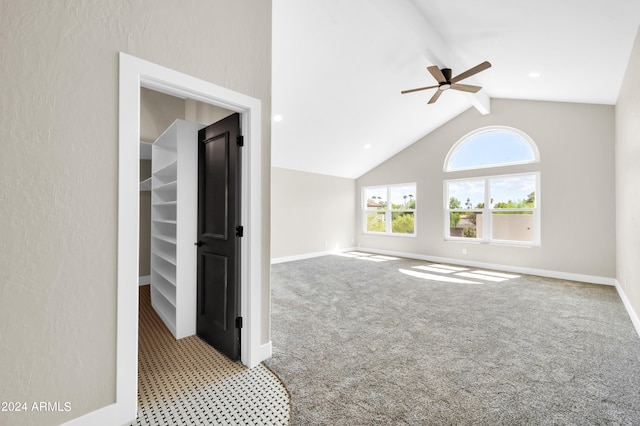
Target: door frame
134,74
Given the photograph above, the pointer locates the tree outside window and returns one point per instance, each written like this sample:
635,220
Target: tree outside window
498,208
390,209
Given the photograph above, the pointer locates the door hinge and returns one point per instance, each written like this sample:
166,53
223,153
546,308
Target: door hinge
240,140
239,231
239,322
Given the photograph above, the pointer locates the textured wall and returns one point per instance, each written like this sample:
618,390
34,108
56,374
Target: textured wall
58,173
310,213
157,112
628,180
577,187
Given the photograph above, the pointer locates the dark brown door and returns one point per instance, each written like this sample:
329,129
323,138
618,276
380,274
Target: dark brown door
219,233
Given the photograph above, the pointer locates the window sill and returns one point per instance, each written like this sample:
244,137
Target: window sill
384,234
494,243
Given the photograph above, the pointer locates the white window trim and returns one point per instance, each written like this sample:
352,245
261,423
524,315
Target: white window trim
487,212
388,212
462,140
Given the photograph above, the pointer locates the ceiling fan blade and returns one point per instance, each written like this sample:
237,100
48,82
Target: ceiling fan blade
465,87
468,73
420,88
437,74
435,96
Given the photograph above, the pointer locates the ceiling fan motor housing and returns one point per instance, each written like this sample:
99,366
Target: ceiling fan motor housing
444,85
446,72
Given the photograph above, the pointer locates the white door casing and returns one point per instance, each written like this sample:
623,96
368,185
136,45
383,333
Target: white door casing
136,73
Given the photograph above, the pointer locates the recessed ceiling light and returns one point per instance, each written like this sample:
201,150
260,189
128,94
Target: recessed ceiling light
277,118
534,74
367,146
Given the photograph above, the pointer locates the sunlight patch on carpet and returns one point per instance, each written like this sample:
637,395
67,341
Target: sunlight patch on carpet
481,277
432,277
367,256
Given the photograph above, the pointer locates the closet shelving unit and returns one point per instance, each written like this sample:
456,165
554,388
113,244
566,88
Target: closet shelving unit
174,198
145,154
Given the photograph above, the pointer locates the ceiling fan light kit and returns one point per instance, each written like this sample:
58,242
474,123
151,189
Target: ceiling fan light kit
446,82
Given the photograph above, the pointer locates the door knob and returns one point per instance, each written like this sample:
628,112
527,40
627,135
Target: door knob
198,243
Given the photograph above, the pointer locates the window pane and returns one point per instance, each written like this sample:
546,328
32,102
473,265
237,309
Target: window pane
402,222
514,192
491,148
465,224
375,198
512,226
465,194
403,197
376,222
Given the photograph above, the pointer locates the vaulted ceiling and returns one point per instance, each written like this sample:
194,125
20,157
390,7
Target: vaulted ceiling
339,67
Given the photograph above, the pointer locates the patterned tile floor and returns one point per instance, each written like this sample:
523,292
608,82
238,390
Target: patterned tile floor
187,382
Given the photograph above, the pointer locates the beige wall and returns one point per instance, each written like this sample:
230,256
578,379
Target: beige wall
627,148
59,169
576,197
310,213
157,112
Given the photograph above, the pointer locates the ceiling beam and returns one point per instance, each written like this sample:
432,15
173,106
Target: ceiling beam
418,31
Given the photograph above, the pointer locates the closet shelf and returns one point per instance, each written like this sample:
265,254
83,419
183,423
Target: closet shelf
170,222
168,172
166,256
165,310
165,204
165,238
145,185
174,197
165,187
166,289
165,269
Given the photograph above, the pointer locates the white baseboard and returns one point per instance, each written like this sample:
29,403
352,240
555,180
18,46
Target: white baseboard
265,351
632,313
592,279
105,416
308,255
144,280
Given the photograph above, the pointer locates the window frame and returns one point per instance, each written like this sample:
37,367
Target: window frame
388,211
487,211
454,149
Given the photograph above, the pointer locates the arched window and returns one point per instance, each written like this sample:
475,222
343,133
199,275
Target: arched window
491,147
497,208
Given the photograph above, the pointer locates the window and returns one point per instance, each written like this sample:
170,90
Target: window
502,209
491,147
389,209
493,209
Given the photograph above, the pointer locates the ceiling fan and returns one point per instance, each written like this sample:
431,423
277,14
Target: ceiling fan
445,82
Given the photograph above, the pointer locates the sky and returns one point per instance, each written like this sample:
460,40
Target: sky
501,189
490,148
397,193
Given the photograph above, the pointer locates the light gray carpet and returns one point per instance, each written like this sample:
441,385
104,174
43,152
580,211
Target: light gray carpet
358,342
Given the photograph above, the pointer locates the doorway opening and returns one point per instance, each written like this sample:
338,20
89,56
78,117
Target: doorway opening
168,258
136,73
